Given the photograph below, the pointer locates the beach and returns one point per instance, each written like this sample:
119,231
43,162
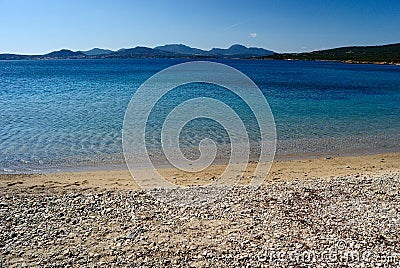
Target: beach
285,170
320,212
67,199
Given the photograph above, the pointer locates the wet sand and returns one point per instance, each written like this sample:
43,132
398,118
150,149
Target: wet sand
280,171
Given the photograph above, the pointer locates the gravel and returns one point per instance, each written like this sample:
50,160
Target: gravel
345,221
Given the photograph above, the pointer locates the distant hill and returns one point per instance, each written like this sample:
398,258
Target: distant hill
166,51
64,54
97,52
140,52
182,49
7,56
363,54
236,50
242,51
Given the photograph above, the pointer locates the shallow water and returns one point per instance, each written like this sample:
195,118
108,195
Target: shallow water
69,113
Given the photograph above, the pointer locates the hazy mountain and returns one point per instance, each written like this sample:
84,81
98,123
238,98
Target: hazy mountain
97,52
166,51
140,52
64,54
241,50
374,54
8,56
182,49
234,50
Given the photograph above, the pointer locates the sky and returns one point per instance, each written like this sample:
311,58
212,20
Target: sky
41,26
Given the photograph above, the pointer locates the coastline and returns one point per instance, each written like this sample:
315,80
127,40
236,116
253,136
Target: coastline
281,170
216,58
346,61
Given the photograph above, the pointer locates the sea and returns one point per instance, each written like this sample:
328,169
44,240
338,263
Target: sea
59,115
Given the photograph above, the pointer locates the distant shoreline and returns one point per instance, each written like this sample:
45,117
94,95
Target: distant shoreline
345,61
210,58
383,54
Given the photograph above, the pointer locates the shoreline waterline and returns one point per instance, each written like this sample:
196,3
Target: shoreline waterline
281,170
121,165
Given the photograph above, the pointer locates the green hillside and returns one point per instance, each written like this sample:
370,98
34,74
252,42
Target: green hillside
372,54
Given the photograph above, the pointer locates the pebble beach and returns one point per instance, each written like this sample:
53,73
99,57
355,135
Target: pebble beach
343,221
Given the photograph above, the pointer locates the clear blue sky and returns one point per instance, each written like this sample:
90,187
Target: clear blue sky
39,26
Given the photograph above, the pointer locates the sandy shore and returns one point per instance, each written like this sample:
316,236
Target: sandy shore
281,170
336,212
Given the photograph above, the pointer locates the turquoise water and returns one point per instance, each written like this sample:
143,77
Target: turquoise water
69,113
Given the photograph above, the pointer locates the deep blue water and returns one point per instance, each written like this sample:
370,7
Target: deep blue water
63,113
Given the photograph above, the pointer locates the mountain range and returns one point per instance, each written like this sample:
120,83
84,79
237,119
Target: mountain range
166,51
353,54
